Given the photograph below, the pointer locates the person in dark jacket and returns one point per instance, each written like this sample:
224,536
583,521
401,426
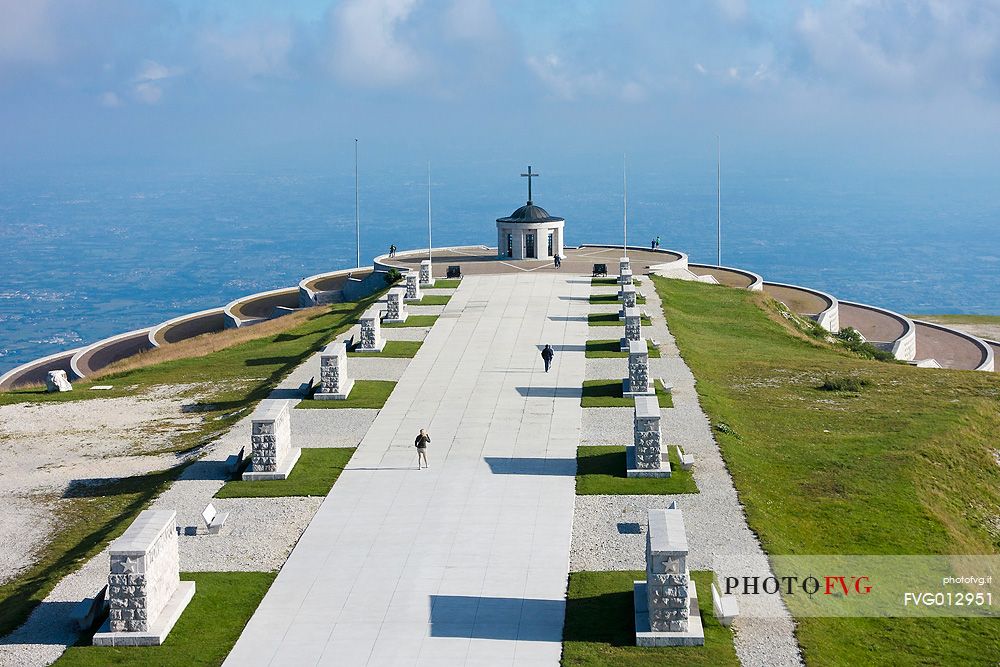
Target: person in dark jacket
421,444
547,355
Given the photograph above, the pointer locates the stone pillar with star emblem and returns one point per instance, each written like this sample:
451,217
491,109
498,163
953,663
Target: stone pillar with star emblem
145,594
666,603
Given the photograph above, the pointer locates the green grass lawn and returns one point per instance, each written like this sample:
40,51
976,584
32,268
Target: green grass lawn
601,471
611,281
608,299
412,321
230,383
905,466
608,394
400,349
313,475
364,394
600,626
432,300
203,636
447,283
606,349
611,320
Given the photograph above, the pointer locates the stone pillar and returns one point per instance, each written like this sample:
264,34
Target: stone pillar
334,383
624,265
145,593
426,273
637,383
273,456
396,305
413,286
633,327
57,381
645,456
370,337
670,616
628,298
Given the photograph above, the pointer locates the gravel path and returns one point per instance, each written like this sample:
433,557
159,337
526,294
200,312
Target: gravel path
259,533
715,522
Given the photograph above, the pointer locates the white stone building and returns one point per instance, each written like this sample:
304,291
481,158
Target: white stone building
530,232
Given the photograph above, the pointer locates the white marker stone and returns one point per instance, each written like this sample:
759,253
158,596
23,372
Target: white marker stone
273,456
334,383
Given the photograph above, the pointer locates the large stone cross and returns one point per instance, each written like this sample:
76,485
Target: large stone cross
530,176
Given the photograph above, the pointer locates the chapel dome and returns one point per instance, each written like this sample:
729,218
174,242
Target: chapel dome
531,213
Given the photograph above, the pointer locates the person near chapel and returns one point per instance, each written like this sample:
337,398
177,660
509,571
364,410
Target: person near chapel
558,260
547,355
421,444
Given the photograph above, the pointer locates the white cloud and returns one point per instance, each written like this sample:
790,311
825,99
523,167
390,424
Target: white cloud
368,48
921,46
249,51
148,82
110,99
569,84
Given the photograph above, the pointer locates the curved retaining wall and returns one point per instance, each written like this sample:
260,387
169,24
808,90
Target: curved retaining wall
817,305
34,372
105,352
673,260
882,328
259,307
333,287
188,326
952,348
729,276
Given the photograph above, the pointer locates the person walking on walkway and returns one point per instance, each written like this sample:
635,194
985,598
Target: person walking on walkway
558,261
657,241
547,355
421,444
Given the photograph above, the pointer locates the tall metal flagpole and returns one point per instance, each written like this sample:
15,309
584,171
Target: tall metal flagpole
718,190
357,205
430,245
625,208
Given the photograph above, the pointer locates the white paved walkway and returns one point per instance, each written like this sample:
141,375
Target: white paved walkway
464,563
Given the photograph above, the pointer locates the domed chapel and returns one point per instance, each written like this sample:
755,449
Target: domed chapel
530,232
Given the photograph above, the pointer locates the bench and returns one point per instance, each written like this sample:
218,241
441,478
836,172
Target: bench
687,460
88,611
214,520
234,462
600,270
454,271
726,607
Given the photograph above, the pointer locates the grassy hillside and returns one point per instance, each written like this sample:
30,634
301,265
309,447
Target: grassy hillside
903,466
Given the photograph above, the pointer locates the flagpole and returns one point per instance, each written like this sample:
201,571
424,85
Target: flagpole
357,205
718,190
625,207
430,245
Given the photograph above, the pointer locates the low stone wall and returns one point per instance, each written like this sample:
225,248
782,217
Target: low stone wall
258,307
326,288
105,352
962,351
864,318
814,304
729,276
188,326
34,372
673,260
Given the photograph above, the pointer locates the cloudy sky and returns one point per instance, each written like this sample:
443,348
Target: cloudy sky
198,81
